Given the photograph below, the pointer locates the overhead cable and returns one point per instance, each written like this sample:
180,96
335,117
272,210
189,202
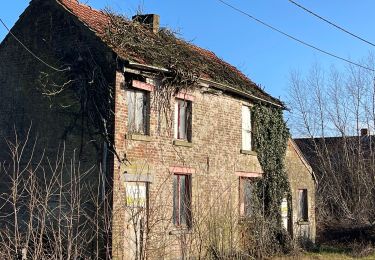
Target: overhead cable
32,53
294,38
332,23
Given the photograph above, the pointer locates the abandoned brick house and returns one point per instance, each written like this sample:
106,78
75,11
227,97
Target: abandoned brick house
174,158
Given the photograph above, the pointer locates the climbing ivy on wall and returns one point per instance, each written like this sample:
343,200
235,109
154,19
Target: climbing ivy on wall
271,137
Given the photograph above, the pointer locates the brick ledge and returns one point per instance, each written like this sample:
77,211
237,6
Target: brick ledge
182,143
138,137
248,152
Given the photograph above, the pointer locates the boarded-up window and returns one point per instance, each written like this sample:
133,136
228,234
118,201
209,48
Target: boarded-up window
247,137
183,122
137,111
182,200
247,197
302,205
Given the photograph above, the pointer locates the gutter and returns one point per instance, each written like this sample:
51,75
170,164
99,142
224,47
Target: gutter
237,91
204,81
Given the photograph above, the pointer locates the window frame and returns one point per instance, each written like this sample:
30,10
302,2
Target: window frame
177,212
247,128
303,205
145,111
188,119
242,199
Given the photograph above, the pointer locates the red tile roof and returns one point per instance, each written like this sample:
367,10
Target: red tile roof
94,19
99,21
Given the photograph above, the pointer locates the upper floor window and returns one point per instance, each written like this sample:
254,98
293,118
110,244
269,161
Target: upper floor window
182,200
302,205
138,104
247,133
183,120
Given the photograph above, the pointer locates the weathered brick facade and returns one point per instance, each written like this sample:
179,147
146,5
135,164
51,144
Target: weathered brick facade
214,154
213,158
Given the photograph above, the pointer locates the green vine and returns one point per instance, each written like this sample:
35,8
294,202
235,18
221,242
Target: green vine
271,137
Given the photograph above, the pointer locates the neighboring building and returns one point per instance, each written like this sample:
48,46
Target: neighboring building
344,168
302,185
171,164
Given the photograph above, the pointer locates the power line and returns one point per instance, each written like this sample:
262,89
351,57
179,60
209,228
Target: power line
32,53
331,23
294,38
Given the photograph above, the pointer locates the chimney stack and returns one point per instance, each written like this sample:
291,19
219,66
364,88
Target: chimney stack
151,20
364,132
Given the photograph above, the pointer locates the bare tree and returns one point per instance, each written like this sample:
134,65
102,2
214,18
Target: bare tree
329,109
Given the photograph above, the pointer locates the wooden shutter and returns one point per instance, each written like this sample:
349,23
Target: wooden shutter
189,120
176,211
139,112
246,128
182,200
176,120
248,197
131,110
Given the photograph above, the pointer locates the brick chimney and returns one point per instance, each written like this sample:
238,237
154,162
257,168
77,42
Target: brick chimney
364,132
151,20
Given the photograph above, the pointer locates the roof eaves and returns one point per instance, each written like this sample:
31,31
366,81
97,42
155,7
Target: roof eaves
206,81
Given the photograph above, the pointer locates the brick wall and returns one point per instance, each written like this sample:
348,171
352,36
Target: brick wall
59,39
214,155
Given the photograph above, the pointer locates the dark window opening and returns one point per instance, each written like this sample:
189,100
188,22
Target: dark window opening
182,200
302,205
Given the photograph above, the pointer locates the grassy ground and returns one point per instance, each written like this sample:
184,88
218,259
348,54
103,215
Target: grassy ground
324,256
331,253
334,253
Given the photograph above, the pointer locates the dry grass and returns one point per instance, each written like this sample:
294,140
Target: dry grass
333,253
324,256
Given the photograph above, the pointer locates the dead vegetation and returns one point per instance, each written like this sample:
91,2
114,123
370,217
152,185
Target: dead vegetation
186,62
330,109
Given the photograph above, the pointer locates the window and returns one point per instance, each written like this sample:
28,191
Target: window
182,200
183,115
247,198
247,135
302,205
137,111
137,194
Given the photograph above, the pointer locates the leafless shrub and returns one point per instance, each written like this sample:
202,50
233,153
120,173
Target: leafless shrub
54,208
50,208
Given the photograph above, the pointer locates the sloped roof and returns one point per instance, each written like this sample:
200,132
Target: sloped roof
333,145
214,68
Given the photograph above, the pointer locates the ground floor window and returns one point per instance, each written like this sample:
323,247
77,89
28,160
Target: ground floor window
182,200
247,197
302,205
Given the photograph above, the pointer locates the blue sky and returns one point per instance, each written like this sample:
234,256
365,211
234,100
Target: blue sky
263,55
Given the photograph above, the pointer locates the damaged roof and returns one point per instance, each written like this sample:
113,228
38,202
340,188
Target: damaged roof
136,43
